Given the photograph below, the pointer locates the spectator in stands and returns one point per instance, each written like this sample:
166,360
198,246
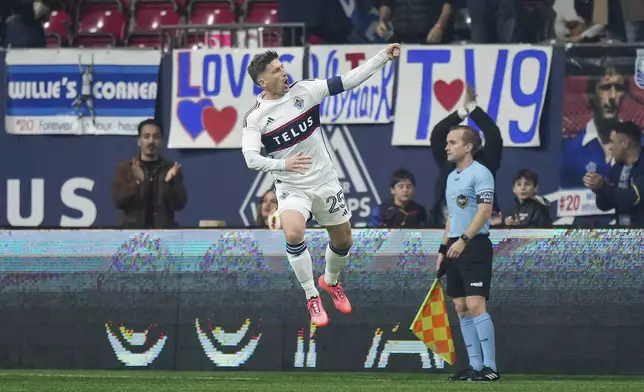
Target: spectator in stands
577,22
489,155
537,22
416,21
622,188
401,211
495,21
530,211
266,206
21,26
587,21
148,189
591,145
633,11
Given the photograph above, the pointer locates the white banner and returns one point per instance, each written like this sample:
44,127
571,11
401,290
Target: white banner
80,91
578,202
510,82
371,102
212,91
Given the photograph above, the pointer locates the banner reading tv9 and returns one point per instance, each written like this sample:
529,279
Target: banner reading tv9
511,83
80,91
603,85
221,300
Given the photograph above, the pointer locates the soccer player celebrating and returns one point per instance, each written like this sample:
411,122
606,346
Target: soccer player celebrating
465,254
285,121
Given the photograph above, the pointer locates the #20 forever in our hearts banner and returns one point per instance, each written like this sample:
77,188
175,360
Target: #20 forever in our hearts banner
212,91
510,82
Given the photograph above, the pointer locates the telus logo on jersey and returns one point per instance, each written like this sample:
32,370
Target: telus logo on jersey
292,132
359,191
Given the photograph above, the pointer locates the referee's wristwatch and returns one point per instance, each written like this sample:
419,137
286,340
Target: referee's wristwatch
465,238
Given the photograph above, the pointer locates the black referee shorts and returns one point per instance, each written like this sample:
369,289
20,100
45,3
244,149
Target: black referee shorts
470,274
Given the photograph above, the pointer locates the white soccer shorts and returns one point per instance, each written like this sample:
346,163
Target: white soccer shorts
326,202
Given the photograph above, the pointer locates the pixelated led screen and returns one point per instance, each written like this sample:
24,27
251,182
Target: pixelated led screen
216,299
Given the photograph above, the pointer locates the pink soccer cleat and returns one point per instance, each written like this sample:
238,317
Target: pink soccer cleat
340,300
318,314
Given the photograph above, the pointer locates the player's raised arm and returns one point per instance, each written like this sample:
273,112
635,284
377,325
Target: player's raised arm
323,88
252,146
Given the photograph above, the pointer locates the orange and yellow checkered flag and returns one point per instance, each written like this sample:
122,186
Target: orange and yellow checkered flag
431,324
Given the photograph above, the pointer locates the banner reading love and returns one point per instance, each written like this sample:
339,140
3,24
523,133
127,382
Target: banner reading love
371,102
510,82
212,91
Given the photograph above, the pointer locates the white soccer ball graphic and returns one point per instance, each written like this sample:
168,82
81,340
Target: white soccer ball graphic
273,221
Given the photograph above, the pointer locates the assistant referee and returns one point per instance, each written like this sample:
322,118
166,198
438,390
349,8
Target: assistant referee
465,254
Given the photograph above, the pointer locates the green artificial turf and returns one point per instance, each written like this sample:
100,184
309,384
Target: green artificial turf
158,381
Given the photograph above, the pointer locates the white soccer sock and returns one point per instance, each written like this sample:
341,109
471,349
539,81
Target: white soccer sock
335,262
300,259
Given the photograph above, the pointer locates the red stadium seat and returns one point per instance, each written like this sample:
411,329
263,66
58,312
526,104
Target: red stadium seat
100,27
247,3
106,4
92,7
57,29
148,19
177,5
209,13
262,12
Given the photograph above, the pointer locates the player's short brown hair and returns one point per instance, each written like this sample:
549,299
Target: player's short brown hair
259,64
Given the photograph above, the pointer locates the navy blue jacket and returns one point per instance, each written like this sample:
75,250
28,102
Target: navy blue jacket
624,196
389,215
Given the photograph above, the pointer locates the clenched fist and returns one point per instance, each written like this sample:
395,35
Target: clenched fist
393,51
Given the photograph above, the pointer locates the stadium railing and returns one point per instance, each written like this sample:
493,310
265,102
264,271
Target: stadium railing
234,35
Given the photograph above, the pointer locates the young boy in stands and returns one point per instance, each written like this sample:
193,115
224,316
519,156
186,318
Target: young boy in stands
401,211
531,211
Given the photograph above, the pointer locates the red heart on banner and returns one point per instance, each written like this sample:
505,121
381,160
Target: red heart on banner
219,123
448,94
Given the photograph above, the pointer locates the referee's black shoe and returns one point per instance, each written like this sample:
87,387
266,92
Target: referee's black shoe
486,375
464,375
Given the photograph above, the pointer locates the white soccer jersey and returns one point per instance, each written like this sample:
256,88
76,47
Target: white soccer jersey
290,125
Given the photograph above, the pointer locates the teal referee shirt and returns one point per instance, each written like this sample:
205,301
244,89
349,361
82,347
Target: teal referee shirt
465,191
